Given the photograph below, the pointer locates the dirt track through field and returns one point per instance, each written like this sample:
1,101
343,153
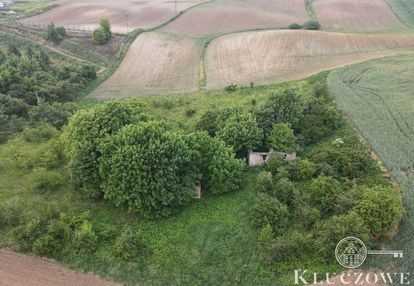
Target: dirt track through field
22,270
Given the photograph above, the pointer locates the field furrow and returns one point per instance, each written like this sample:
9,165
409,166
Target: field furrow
224,16
129,15
155,64
356,15
273,56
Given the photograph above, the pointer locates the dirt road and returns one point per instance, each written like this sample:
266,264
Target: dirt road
22,270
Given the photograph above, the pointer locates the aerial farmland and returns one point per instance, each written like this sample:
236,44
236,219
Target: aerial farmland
206,142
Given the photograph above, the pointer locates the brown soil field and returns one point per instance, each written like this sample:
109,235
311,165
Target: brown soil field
22,270
232,15
356,15
131,13
275,56
155,64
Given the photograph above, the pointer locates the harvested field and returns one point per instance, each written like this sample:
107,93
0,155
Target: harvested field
19,270
274,56
231,15
356,15
155,64
123,14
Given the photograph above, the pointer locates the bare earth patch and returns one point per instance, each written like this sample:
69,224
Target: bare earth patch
131,13
21,270
356,15
230,15
155,64
275,56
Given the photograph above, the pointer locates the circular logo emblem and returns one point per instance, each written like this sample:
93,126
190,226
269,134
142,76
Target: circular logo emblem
351,252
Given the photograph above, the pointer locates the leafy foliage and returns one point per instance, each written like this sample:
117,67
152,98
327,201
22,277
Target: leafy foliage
281,138
55,34
102,34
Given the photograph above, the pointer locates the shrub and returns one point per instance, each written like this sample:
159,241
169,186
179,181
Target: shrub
275,162
337,228
264,182
312,25
84,239
281,138
324,193
301,169
380,208
286,192
43,180
130,245
12,213
27,234
53,242
294,26
102,34
190,111
55,34
231,88
42,133
268,210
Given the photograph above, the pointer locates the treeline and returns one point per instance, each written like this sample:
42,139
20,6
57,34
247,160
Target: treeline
35,88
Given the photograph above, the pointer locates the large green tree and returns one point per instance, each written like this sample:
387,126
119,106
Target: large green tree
148,169
281,138
241,132
219,170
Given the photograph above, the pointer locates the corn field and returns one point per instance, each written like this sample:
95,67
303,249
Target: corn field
378,97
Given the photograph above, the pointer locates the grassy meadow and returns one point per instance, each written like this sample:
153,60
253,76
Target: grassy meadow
378,98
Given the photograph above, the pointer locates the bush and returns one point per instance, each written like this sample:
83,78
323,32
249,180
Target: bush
324,193
267,210
380,208
275,162
12,213
54,240
264,182
337,228
294,26
39,134
130,245
27,234
231,88
84,239
281,138
43,180
286,192
102,34
301,169
55,34
190,111
312,25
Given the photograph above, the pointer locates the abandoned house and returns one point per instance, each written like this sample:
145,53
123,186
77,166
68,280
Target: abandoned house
259,158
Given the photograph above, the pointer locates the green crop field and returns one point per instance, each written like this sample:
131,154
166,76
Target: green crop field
378,98
404,10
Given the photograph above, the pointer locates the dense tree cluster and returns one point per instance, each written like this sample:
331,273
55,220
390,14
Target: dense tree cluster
143,164
55,34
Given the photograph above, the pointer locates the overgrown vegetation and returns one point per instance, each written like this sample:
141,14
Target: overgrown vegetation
36,89
376,95
55,34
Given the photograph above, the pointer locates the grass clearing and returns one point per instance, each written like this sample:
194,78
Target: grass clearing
377,97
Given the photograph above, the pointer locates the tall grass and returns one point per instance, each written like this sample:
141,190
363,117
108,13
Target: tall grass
377,96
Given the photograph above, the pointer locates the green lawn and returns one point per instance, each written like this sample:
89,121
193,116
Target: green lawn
378,98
